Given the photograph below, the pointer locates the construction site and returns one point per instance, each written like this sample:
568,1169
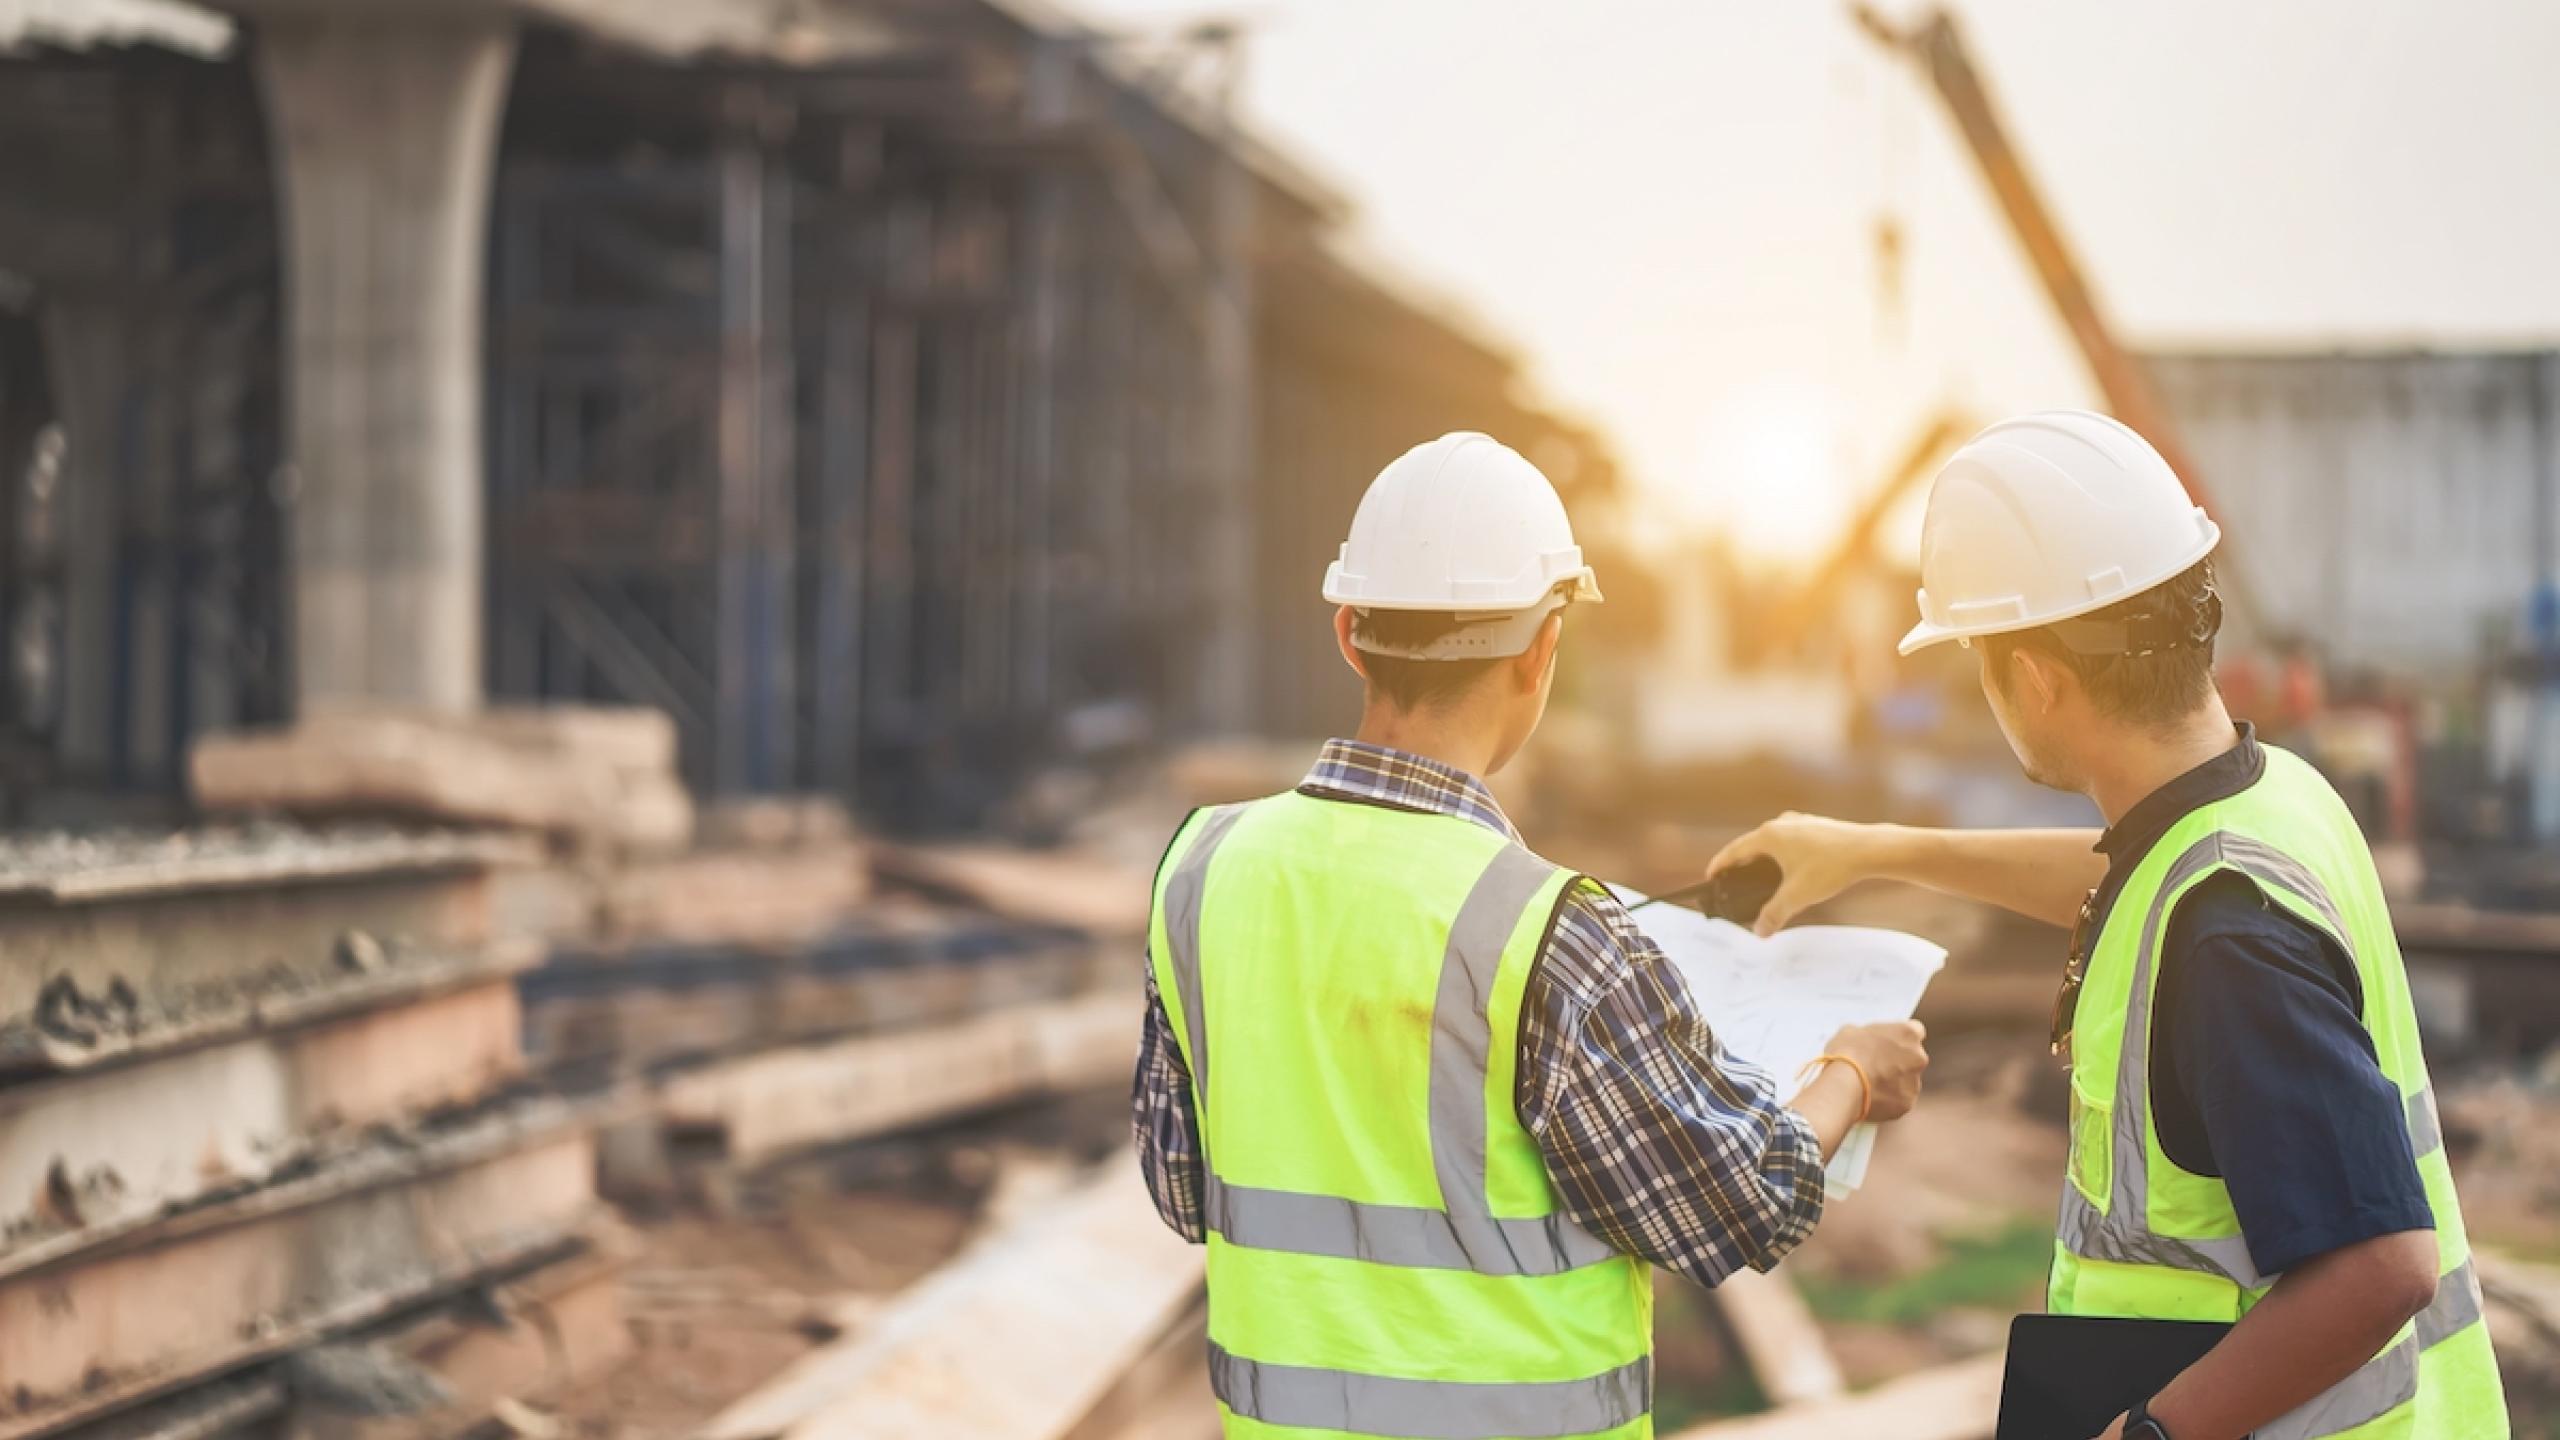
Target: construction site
608,606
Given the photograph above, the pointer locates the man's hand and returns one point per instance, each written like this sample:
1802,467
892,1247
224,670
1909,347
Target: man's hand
1894,1056
2041,874
2115,1428
1817,859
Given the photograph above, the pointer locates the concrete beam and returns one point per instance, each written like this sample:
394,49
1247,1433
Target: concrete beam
211,1289
182,950
96,1149
385,130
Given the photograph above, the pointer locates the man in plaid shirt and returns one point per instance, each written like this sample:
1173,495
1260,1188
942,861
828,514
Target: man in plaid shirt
1658,1146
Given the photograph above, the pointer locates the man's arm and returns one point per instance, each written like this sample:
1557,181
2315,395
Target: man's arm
2041,874
2260,1032
2321,1322
1656,1140
1167,1129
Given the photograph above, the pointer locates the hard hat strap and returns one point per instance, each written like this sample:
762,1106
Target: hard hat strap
1481,636
2133,636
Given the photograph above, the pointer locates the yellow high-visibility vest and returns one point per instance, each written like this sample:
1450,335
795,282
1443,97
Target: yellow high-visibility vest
2141,1237
1386,1254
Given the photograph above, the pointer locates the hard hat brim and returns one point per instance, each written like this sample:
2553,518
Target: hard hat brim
1929,632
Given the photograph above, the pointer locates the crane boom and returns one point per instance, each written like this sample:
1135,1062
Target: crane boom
1938,47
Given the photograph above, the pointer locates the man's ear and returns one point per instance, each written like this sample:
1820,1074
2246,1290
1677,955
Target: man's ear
1530,665
2040,681
1343,620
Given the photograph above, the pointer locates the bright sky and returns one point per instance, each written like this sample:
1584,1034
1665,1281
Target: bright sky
1669,205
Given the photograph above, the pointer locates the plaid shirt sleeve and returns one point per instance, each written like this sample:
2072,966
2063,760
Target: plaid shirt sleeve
1658,1142
1166,1126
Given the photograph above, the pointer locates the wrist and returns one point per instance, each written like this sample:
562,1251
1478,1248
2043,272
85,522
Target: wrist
1885,850
2145,1424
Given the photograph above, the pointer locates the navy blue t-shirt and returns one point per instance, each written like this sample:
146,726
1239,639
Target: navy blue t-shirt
2262,1072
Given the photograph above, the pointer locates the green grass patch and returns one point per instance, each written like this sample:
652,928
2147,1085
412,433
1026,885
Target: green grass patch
1734,1393
1992,1271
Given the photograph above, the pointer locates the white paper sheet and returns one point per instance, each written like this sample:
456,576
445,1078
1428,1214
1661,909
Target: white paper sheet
1775,1002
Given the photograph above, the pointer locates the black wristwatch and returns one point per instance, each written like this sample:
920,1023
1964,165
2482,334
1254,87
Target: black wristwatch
2140,1426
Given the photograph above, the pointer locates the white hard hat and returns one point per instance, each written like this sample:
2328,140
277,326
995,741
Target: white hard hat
2046,517
1463,524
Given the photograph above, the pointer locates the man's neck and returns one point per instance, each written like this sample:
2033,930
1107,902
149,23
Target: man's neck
1448,736
2138,763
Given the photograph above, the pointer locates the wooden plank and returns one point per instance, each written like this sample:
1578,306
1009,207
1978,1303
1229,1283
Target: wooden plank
1165,1395
1044,887
1779,1338
1954,1402
98,1331
527,1340
745,897
802,1096
1019,1339
511,771
2462,927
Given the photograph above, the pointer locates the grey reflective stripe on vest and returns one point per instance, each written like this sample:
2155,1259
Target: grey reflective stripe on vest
1406,1235
1464,1236
1426,1409
2389,1380
1182,933
2122,1235
1461,1056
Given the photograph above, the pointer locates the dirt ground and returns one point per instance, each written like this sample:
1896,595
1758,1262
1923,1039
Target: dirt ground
724,1292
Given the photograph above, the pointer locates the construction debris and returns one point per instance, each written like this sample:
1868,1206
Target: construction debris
1779,1338
278,1072
1020,1339
1058,888
1955,1402
601,779
769,1104
88,1327
740,897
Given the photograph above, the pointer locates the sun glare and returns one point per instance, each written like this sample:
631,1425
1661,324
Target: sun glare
1770,472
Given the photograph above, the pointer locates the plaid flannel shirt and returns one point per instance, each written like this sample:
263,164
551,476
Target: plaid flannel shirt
1657,1141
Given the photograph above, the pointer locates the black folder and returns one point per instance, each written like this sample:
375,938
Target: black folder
2068,1375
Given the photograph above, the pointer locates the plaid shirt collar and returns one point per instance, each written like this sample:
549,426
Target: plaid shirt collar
1402,780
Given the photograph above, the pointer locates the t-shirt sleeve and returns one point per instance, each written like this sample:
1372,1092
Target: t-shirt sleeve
2267,1040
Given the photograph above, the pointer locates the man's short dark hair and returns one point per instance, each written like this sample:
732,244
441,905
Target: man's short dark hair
1415,684
2157,689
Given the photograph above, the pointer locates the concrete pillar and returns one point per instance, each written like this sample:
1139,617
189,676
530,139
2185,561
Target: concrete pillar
385,132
